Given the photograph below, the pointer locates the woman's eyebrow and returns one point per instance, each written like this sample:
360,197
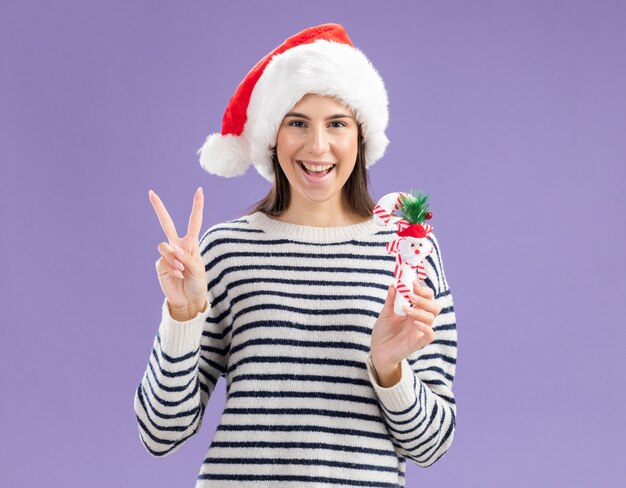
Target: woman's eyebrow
336,116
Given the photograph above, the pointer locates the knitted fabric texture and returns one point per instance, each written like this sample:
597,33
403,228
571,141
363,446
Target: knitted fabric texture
288,325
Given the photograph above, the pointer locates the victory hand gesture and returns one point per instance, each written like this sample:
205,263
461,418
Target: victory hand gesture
396,337
180,268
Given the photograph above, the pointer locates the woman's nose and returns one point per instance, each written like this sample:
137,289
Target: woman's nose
318,140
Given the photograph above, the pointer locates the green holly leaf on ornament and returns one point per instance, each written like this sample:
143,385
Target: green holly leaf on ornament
414,207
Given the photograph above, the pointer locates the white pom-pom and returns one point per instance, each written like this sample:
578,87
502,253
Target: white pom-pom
225,155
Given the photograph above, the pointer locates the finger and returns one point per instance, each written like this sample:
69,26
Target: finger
424,327
389,300
187,259
160,266
167,251
181,254
420,314
425,335
424,291
415,340
427,331
167,224
424,303
195,219
163,267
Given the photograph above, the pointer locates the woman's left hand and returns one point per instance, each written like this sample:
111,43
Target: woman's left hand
396,337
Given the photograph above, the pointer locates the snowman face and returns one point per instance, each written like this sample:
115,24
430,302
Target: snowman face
414,249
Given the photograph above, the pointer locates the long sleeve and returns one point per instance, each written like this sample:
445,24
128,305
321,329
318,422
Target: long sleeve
420,410
185,363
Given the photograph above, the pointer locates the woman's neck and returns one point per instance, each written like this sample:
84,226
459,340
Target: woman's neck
324,214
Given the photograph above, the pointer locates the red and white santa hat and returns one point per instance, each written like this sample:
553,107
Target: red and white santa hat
319,60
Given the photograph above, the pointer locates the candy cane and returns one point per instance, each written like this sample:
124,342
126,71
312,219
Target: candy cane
406,270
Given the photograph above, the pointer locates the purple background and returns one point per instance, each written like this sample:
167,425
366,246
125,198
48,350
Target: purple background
511,114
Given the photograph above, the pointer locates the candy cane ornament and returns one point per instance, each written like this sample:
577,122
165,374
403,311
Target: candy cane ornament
410,242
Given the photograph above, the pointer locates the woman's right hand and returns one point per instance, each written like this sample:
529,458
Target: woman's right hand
181,273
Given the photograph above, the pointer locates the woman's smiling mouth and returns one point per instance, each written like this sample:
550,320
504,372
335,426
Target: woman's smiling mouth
315,176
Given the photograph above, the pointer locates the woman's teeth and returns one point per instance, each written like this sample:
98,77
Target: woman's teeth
316,170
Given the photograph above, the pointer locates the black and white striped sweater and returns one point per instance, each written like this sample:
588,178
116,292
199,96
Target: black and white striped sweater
289,321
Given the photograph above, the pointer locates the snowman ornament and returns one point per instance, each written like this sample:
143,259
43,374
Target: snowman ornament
410,243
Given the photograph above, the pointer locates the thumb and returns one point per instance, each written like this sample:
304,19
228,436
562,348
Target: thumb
389,300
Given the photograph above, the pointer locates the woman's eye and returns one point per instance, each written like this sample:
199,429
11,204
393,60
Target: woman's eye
295,122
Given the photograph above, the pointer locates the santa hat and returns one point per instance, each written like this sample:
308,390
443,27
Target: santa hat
319,60
416,230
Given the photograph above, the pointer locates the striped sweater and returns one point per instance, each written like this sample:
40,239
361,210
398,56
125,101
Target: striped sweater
288,325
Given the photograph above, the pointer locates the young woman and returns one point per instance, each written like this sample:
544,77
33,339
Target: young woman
293,302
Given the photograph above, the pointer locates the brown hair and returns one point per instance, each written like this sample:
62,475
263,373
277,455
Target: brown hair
355,189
